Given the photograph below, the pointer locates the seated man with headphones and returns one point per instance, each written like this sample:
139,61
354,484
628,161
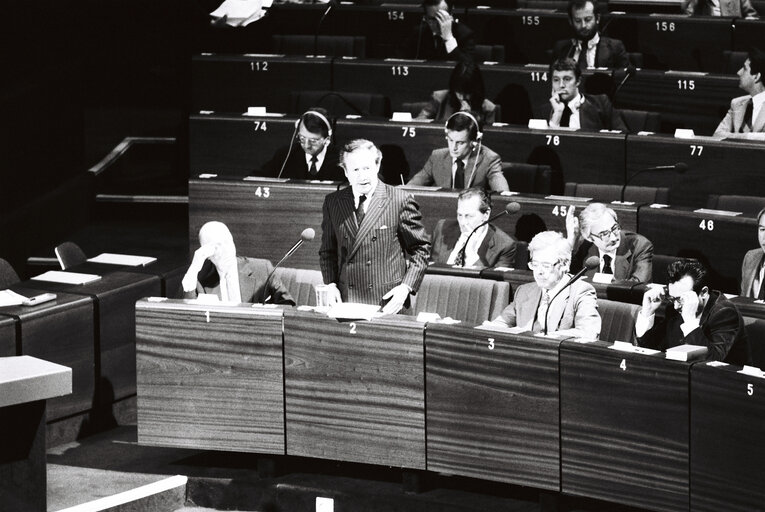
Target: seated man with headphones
316,158
465,163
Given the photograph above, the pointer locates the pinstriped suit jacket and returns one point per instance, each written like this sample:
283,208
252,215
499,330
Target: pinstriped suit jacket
389,248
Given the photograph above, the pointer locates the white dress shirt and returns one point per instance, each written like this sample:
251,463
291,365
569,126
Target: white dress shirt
471,251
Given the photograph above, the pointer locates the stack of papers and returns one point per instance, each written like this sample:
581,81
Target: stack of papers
240,13
122,259
353,311
58,276
686,352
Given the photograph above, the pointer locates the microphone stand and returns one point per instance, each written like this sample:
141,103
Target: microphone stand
492,218
289,253
576,276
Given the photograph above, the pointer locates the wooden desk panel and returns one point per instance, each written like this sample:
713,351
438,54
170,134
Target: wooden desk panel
355,391
7,336
581,157
714,167
685,233
237,146
726,439
624,432
232,83
115,296
262,226
62,332
210,377
493,405
684,100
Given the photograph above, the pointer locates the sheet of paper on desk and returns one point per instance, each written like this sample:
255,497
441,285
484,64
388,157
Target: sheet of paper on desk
122,259
11,298
353,311
58,276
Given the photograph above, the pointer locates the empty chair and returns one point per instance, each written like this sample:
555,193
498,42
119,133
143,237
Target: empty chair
300,283
732,61
641,120
755,331
636,59
490,53
342,103
335,46
617,320
608,193
749,205
468,299
8,276
530,178
69,254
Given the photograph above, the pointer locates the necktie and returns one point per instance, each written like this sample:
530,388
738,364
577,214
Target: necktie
607,264
746,126
313,170
761,293
582,63
544,303
459,175
565,118
360,209
460,259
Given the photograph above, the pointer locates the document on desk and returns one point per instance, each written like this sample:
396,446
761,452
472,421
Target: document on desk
623,346
58,276
127,260
10,298
353,311
687,352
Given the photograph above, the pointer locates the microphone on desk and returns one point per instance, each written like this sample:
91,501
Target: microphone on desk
510,209
589,264
679,167
318,28
629,72
307,235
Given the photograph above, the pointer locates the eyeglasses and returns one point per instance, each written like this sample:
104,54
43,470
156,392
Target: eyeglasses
603,235
534,265
310,142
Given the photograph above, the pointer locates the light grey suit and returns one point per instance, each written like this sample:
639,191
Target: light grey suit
485,172
573,312
749,269
734,119
732,8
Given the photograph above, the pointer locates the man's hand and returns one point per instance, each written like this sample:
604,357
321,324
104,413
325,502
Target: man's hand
445,21
397,296
557,110
189,281
333,295
689,305
572,226
652,300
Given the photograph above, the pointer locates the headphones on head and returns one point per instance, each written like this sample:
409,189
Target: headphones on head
320,116
478,132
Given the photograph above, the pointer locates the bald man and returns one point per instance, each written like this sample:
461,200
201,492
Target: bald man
217,270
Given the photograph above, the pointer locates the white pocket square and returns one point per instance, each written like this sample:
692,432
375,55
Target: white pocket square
383,227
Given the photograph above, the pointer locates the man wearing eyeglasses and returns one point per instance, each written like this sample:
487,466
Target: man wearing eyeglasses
624,255
572,312
697,316
311,155
465,162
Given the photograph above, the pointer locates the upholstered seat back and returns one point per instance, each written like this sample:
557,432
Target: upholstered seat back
468,299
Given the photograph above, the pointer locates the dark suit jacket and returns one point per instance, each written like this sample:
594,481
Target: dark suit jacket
610,53
253,273
422,44
721,330
437,171
596,113
733,8
749,268
575,310
390,246
296,167
496,250
633,262
733,120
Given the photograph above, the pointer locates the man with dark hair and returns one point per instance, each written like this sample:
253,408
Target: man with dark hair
568,108
746,114
374,249
488,247
588,48
316,159
466,162
440,36
753,267
727,8
698,316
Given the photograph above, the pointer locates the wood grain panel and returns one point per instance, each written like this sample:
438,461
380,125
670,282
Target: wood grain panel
214,385
624,432
262,227
63,332
726,440
493,413
678,232
355,396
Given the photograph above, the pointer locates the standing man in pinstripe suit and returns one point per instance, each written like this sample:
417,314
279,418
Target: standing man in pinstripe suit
374,248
